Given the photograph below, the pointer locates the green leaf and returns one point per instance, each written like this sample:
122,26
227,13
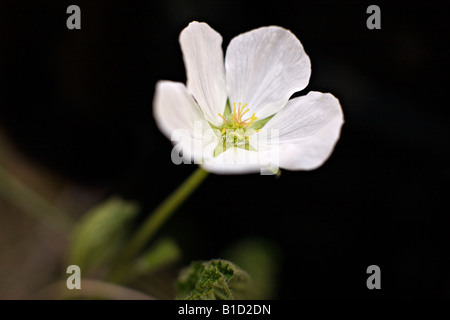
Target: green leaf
212,280
100,233
161,254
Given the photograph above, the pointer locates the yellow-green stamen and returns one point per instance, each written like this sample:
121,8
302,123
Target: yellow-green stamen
235,130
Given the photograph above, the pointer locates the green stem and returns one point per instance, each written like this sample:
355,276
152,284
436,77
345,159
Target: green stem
155,220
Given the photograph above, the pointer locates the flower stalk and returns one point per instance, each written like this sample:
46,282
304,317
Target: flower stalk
155,221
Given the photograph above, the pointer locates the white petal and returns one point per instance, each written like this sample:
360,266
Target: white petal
203,59
181,120
262,159
174,108
308,128
264,67
233,161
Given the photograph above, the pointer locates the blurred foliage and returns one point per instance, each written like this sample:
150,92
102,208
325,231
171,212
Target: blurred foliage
260,258
100,234
160,255
212,280
98,238
15,191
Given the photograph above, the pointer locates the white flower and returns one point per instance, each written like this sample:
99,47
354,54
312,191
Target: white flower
236,117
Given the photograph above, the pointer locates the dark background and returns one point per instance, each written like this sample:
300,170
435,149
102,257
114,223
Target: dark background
80,103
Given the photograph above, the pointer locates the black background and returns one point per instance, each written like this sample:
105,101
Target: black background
80,102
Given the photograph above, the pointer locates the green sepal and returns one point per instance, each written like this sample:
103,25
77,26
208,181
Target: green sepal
213,126
227,110
259,124
246,146
219,149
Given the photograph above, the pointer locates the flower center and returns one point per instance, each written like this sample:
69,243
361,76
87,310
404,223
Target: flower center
236,119
235,130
